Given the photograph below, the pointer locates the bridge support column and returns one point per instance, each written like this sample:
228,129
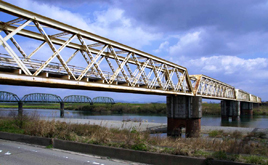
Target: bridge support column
246,109
61,109
230,108
184,112
20,108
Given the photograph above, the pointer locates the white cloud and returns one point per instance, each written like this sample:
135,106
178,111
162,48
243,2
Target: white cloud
113,24
162,47
110,23
189,42
230,64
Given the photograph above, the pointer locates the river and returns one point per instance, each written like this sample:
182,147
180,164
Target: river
254,122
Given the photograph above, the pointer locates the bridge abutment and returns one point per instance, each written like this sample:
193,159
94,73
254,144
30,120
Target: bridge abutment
184,112
61,109
230,108
20,107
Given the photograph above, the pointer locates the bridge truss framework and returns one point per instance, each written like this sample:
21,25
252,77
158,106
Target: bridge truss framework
130,70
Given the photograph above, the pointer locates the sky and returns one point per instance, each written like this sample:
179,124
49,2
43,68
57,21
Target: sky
227,40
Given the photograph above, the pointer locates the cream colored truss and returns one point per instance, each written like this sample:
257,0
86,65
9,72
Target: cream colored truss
151,75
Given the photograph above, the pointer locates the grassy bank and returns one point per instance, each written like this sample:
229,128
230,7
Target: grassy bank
261,110
31,106
250,148
150,108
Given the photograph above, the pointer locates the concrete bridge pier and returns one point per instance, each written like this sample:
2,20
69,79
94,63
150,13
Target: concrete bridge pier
184,112
246,109
20,108
230,108
61,109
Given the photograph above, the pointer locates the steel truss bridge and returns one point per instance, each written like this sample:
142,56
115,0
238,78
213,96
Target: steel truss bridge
106,100
108,65
51,98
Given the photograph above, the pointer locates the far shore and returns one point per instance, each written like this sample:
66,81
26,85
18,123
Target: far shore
129,108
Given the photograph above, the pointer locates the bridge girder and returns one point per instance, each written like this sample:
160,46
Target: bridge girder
41,98
8,97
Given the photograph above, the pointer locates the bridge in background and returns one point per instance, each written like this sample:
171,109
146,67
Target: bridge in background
106,65
51,98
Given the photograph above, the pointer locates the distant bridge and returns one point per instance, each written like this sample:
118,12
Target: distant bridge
103,100
8,97
77,99
41,98
51,98
129,70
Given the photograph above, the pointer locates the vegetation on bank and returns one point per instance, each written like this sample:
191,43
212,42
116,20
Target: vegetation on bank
235,146
149,108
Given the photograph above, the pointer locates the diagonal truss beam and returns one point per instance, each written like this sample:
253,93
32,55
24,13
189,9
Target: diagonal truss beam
15,31
120,66
92,58
56,52
15,57
93,62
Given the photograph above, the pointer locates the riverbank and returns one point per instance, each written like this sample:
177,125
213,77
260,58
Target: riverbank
234,146
156,127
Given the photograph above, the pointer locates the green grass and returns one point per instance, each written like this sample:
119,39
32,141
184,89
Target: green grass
10,126
49,146
211,109
262,110
215,133
255,159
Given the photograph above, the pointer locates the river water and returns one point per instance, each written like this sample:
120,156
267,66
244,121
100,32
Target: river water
253,122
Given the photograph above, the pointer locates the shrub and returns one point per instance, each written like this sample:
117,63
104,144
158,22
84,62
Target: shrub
256,159
215,133
220,155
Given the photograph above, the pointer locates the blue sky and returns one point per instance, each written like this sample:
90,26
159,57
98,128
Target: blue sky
227,40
